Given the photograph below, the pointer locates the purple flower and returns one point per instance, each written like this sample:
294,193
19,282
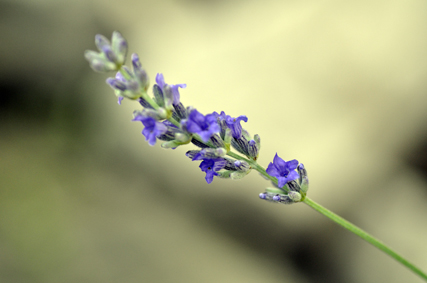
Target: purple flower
282,170
211,166
205,126
222,116
234,125
160,80
152,128
139,73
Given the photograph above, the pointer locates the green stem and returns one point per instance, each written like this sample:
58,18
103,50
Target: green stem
365,236
341,221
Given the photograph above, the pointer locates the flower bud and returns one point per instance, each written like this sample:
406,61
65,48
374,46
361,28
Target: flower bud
237,175
98,62
276,198
241,165
158,114
263,195
119,46
294,196
293,186
209,153
224,174
139,73
158,95
303,178
180,111
111,56
171,144
278,195
101,42
168,96
182,137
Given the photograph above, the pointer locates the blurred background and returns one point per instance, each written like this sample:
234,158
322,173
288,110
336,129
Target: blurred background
340,86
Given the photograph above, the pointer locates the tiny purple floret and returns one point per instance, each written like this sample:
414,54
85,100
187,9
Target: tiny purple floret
205,126
211,166
234,125
160,80
152,128
175,92
282,170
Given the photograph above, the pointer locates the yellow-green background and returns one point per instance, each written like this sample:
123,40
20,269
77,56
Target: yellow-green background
339,85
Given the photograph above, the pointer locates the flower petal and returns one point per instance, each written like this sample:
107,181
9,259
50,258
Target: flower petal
292,164
160,80
272,170
293,175
279,162
281,181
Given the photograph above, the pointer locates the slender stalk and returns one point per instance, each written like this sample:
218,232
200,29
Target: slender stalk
365,236
341,221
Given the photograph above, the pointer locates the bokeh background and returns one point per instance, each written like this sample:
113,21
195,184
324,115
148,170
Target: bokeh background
340,86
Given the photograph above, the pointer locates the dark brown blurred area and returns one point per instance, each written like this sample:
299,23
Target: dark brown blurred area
339,86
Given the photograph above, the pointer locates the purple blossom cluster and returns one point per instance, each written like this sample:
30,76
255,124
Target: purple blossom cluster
165,118
286,176
111,56
170,121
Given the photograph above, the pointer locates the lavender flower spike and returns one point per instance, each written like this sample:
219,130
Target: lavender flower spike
282,170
